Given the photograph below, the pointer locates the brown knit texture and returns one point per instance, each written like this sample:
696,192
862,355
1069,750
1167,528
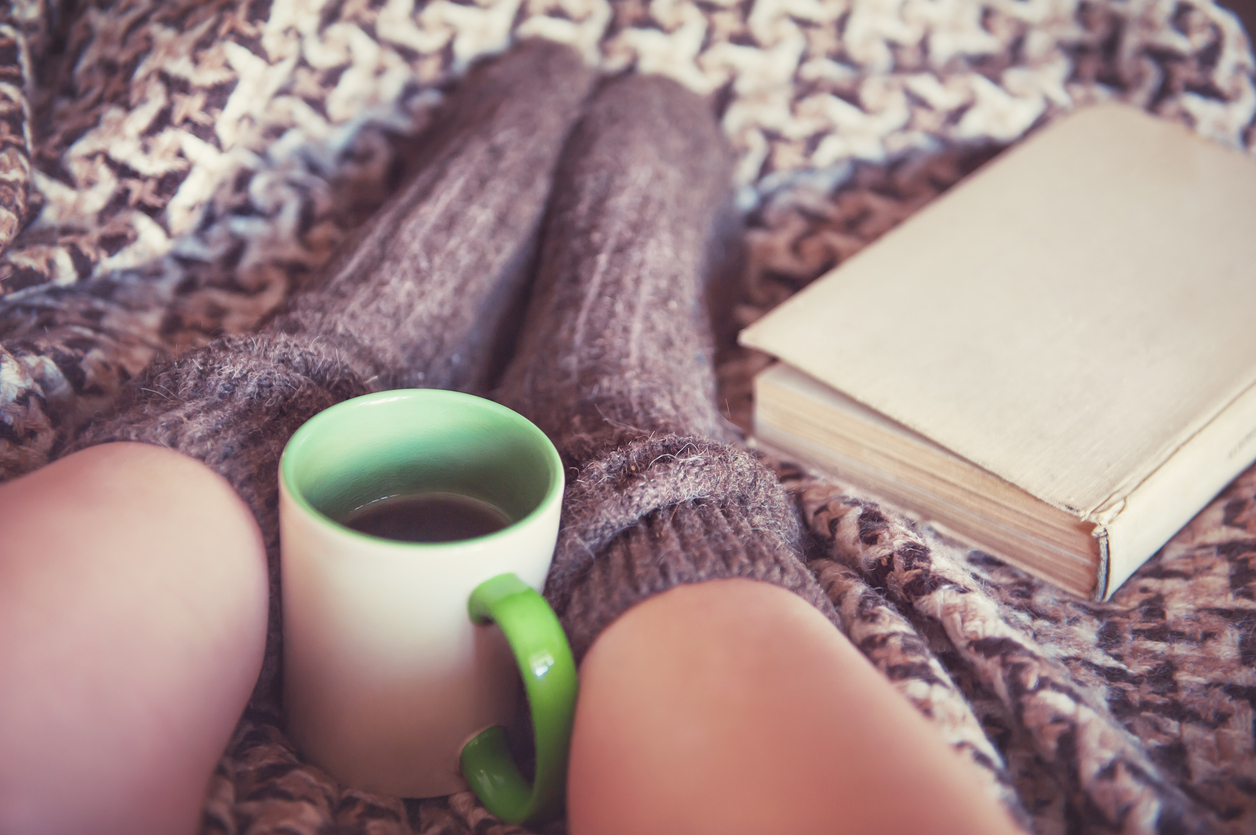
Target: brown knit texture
417,297
614,364
829,161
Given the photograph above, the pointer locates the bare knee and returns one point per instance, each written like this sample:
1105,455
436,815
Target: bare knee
133,598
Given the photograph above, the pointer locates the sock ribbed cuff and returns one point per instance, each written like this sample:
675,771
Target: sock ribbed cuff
664,512
232,404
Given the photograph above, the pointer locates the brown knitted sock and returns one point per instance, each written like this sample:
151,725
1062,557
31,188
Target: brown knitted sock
615,366
414,298
417,297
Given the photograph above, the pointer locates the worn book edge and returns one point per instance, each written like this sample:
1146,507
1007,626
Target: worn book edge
1090,554
1154,510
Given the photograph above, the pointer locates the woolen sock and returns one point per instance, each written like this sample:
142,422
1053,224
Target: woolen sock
414,298
615,365
419,295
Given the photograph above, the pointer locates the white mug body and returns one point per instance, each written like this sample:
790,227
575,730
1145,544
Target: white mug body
385,675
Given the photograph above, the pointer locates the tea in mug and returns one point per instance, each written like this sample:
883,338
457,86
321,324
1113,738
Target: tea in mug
427,517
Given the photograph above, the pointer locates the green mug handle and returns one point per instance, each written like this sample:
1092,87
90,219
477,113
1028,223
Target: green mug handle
549,678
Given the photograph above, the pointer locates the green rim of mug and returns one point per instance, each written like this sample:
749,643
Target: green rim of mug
549,677
343,416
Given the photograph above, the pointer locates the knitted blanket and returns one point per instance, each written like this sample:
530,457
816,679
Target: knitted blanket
169,171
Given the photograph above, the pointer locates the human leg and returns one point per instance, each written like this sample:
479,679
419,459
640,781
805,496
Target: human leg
132,622
734,706
415,298
716,693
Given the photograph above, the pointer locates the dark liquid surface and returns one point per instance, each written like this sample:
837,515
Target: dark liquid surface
427,517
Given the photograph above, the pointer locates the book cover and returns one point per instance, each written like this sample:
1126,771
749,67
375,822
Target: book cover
1075,319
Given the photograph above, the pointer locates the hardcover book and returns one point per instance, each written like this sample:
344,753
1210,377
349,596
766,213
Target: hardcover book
1055,360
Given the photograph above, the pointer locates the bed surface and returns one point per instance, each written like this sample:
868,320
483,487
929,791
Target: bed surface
169,170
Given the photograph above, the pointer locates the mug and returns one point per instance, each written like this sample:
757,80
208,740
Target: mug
402,659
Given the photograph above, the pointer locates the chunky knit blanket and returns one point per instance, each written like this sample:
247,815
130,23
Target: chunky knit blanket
169,170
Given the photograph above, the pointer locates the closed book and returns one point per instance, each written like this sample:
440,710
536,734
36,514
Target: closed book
1055,360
